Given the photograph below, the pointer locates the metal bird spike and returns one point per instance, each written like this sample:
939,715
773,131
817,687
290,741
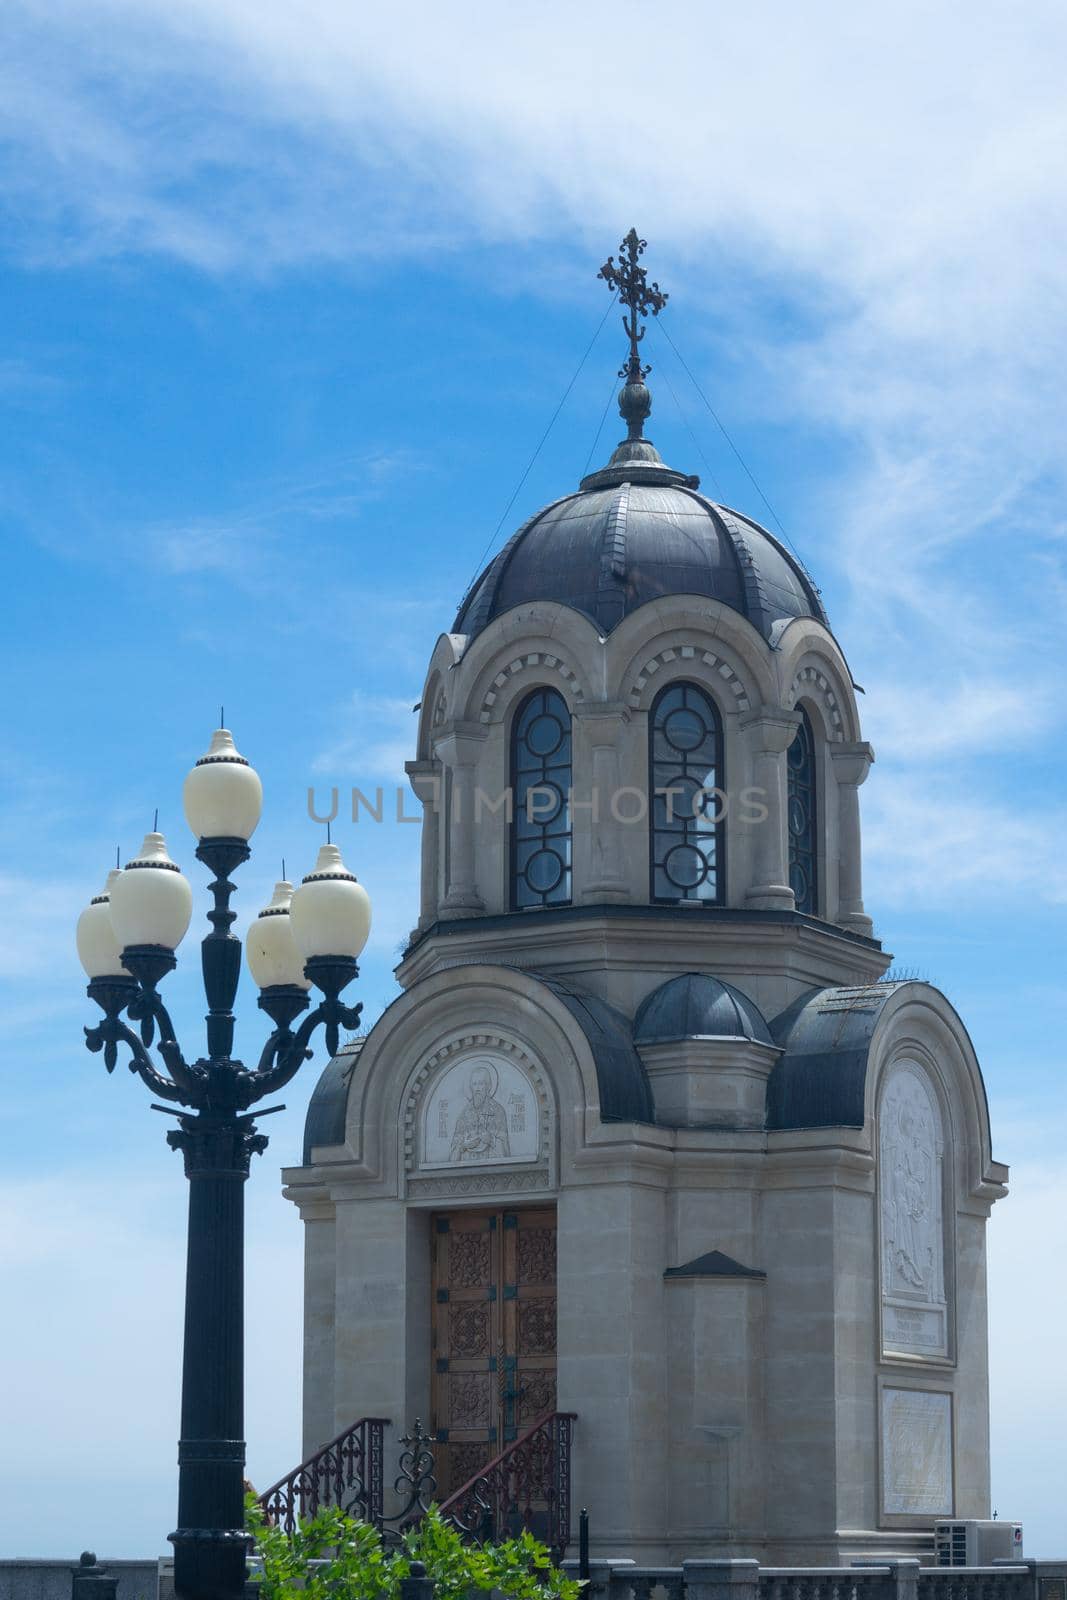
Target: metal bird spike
629,280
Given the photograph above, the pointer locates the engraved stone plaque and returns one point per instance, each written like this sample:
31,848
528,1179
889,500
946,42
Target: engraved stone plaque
916,1453
482,1111
917,1330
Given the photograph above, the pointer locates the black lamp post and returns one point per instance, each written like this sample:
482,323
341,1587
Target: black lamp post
126,940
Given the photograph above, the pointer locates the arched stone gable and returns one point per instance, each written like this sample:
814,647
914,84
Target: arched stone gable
606,668
540,1171
811,667
684,623
536,662
812,685
541,642
448,651
510,1004
919,1024
838,1043
684,661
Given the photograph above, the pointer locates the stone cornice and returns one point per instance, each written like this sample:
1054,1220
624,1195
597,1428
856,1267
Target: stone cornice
852,762
732,941
775,727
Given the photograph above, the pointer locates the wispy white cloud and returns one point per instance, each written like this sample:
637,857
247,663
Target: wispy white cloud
911,722
249,541
934,841
893,178
379,750
914,138
37,917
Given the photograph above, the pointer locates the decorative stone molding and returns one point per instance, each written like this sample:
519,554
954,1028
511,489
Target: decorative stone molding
852,762
687,652
536,1175
534,658
811,681
709,1082
535,1180
440,711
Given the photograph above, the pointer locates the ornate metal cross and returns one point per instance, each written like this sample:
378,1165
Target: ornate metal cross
630,280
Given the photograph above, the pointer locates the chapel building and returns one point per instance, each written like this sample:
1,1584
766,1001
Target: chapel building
647,1137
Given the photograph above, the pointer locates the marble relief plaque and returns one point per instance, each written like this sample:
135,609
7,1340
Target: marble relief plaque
482,1111
916,1453
910,1177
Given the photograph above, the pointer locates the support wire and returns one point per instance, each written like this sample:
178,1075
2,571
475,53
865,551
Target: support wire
600,430
722,429
541,442
692,435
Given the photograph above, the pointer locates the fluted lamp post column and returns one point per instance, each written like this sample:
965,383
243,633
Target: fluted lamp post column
126,940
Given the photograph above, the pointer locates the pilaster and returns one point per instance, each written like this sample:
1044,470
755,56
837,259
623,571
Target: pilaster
427,782
460,752
772,730
851,764
604,726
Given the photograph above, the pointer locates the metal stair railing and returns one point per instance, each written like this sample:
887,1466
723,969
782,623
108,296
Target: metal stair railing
527,1486
347,1472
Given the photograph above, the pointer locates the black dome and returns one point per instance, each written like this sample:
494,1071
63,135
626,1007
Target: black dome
633,532
695,1005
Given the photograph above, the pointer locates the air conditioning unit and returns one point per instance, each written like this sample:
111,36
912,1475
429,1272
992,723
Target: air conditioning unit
969,1542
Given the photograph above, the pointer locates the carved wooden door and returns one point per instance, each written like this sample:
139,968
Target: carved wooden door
494,1333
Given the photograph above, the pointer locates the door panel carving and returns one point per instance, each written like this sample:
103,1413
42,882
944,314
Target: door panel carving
494,1333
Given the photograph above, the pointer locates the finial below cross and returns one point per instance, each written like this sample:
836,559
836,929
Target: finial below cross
630,281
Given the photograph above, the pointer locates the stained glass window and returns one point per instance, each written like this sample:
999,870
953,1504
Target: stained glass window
687,801
803,851
540,784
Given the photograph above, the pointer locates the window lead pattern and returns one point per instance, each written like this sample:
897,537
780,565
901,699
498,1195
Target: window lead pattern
801,800
687,802
541,785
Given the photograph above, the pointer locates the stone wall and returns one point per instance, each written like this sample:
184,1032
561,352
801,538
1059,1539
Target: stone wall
24,1579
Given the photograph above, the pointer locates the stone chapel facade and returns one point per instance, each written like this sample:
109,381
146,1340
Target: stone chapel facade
645,1137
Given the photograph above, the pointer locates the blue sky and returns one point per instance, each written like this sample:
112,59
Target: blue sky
289,295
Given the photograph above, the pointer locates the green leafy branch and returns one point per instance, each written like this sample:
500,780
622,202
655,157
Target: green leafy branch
333,1556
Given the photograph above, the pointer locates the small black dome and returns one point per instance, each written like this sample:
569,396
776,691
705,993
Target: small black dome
635,531
698,1006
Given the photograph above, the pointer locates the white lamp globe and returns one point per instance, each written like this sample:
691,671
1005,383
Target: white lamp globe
223,796
98,949
330,912
273,957
151,903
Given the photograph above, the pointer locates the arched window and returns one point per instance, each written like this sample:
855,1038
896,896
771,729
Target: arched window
803,842
687,801
540,788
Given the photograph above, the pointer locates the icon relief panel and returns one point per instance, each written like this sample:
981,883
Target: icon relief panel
482,1111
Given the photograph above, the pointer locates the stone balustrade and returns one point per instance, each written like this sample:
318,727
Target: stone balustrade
890,1580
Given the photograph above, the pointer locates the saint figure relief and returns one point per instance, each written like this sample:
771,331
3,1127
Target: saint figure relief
481,1132
910,1206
